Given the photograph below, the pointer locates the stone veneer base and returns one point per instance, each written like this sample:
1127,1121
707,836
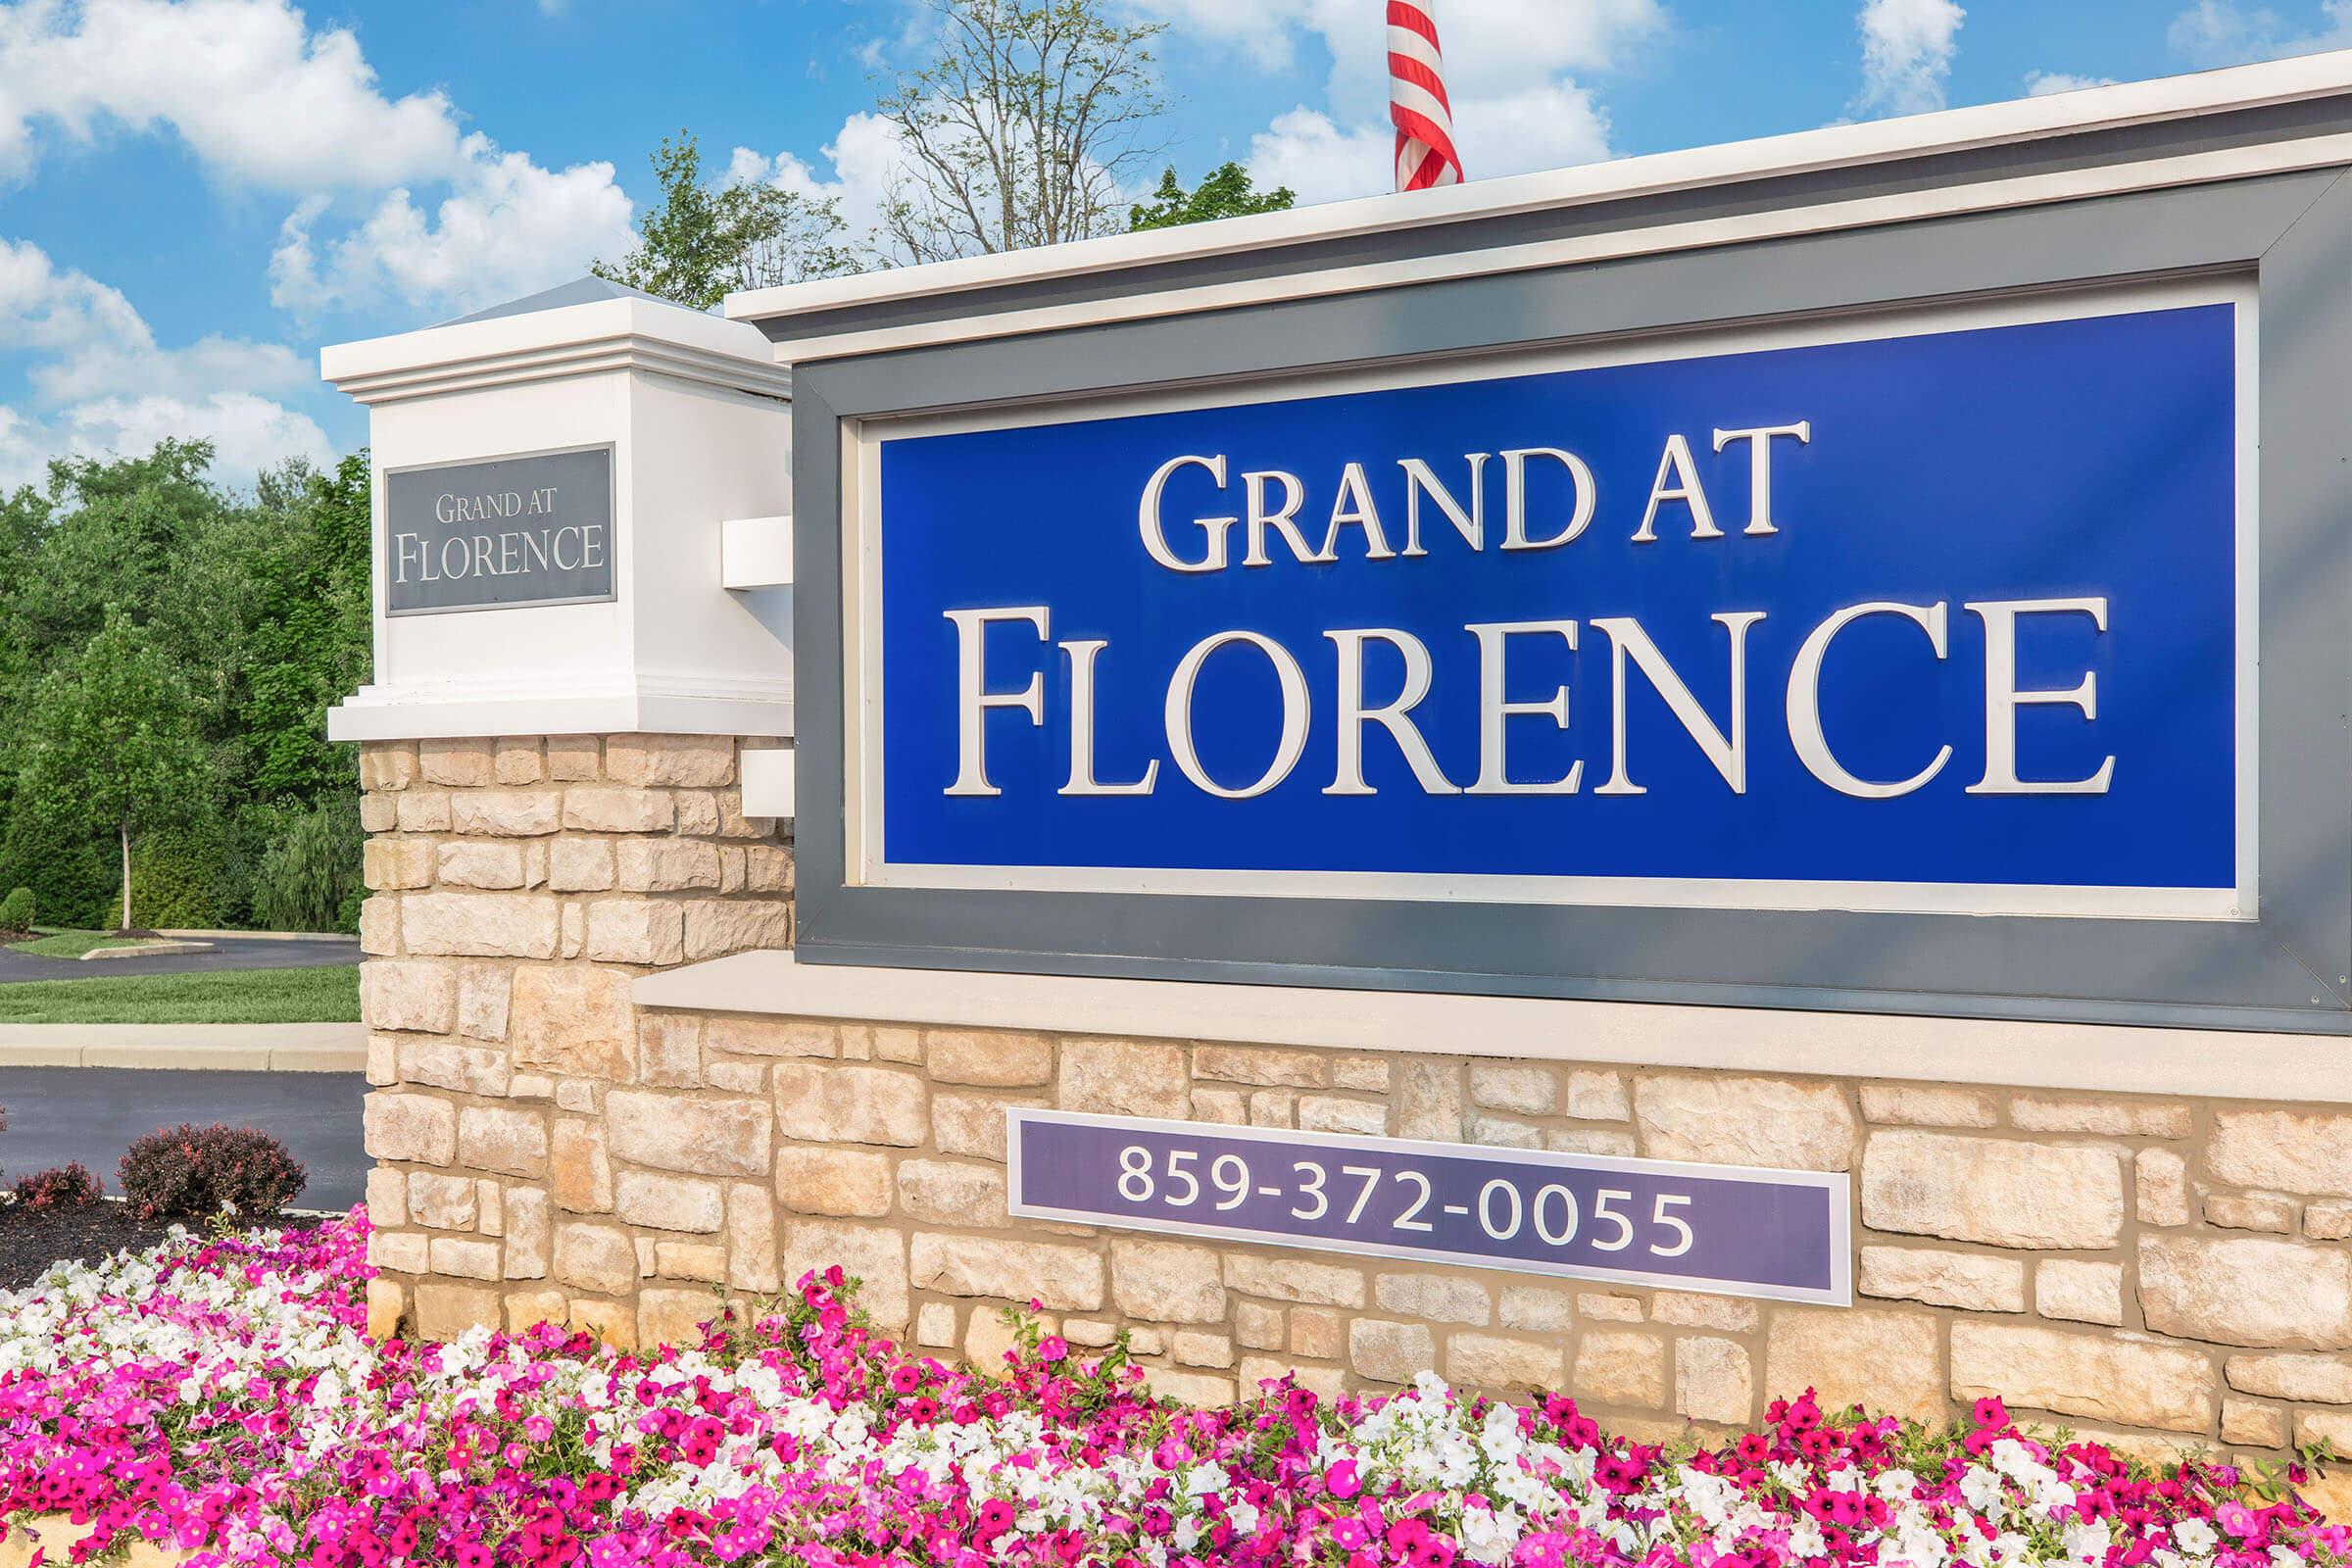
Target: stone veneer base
2167,1271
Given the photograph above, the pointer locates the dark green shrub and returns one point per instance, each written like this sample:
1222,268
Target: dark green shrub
66,1187
310,880
16,910
195,1172
174,880
76,880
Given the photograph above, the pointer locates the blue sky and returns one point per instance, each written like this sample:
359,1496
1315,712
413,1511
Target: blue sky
195,194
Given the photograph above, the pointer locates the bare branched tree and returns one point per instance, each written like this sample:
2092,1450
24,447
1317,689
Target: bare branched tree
1022,131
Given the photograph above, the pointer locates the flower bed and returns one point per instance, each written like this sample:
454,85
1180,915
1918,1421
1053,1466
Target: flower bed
221,1398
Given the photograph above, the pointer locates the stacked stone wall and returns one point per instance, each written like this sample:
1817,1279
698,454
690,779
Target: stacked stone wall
2171,1270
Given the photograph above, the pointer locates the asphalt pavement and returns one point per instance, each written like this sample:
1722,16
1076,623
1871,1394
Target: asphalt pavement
91,1114
228,952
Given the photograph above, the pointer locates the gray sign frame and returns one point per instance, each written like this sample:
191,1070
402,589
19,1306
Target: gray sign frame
2288,970
612,592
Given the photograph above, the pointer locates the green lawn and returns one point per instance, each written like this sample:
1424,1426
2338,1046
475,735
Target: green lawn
329,993
70,943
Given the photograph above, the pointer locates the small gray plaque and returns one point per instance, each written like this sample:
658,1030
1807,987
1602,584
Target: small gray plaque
497,535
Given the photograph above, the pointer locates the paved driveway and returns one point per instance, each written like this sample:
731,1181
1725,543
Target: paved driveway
57,1114
228,952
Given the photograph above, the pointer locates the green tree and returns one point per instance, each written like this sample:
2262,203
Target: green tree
113,742
1224,192
706,239
1023,130
311,642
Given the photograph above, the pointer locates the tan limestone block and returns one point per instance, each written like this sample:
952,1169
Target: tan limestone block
445,1311
703,1134
1527,1088
2133,1382
524,1210
1256,1327
1193,1347
490,1204
574,758
527,1309
665,865
1999,1190
668,1203
581,865
1589,1141
1499,1361
595,1258
1226,1107
1929,1105
1503,1132
1533,1310
1429,1100
387,1195
2250,1211
1721,1119
401,1251
2245,1291
738,1077
412,1127
391,864
1727,1314
715,927
669,1050
506,813
509,1141
690,1260
439,1202
751,1246
378,812
1326,1383
612,1322
669,1316
1442,1297
1273,1107
1368,1074
873,1255
2283,1151
387,764
383,1061
971,1124
481,925
416,995
1621,1367
938,1192
749,1035
767,869
485,1003
1166,1282
2160,1186
1390,1352
580,1168
447,1065
1970,1281
515,759
1317,1334
2311,1379
574,1019
935,1326
2079,1290
2259,1426
690,762
1295,1279
997,1059
1265,1068
1191,1387
2111,1118
1329,1113
421,811
648,931
1886,1360
1063,1278
1714,1380
462,762
846,1183
698,817
2327,1222
475,864
379,926
1601,1307
817,1103
1595,1096
618,810
1124,1077
466,1257
387,1305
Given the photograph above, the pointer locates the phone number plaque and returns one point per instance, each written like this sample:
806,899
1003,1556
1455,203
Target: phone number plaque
1732,1230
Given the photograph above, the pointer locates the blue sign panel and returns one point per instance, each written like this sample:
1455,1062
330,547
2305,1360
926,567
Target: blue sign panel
1784,1234
1947,620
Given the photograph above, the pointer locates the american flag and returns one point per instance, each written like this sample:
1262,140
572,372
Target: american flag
1417,105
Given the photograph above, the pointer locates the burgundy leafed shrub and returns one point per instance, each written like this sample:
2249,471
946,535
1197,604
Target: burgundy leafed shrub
66,1187
196,1172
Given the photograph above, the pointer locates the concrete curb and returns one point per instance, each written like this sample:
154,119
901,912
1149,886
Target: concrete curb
259,936
188,1047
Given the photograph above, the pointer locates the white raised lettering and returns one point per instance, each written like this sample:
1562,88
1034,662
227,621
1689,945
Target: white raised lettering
1804,699
1728,754
2002,699
1494,711
973,699
1394,716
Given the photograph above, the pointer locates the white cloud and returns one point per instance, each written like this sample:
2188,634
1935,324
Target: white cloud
1548,126
2042,83
2224,33
256,95
1318,161
507,228
102,385
1907,48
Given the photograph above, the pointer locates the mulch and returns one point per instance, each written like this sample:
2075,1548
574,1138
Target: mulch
31,1240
